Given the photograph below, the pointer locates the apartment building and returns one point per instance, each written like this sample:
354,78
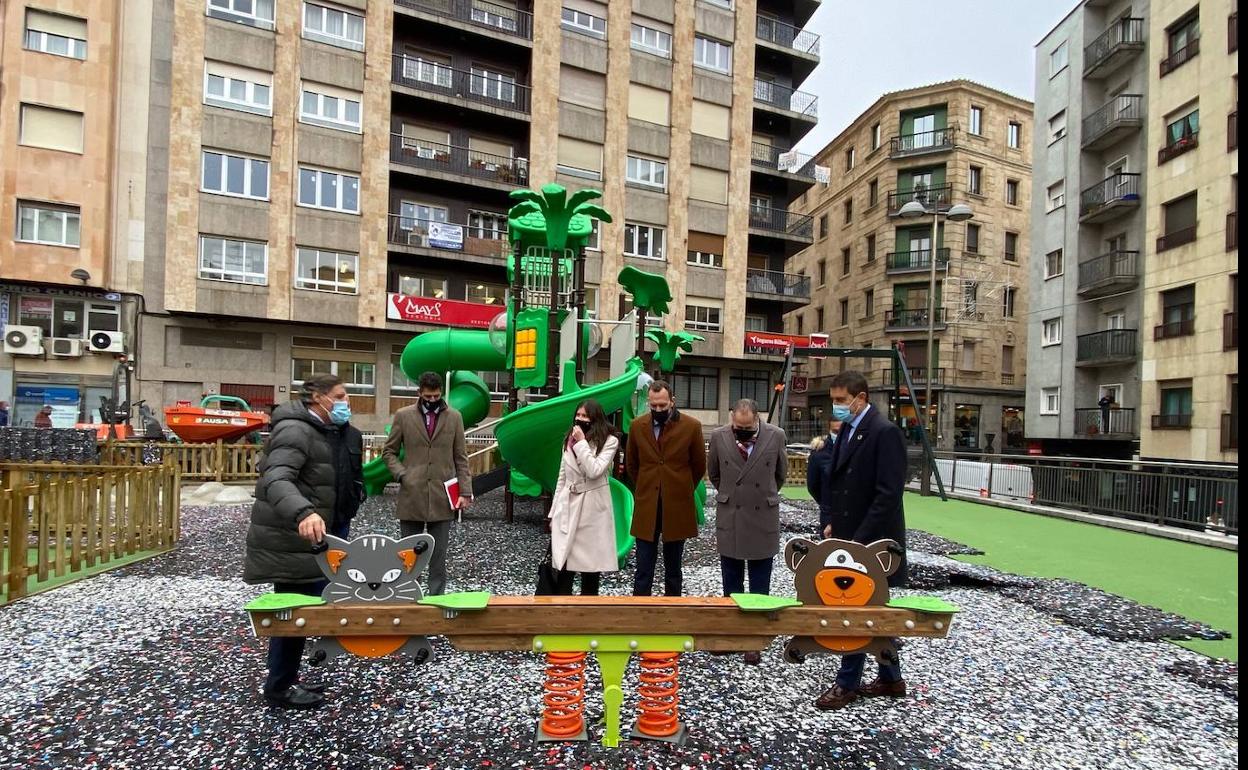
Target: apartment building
940,145
67,306
330,178
1100,307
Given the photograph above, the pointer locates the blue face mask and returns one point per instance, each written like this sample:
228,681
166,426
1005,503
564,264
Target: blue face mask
842,412
341,413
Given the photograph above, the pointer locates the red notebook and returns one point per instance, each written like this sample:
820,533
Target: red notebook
452,495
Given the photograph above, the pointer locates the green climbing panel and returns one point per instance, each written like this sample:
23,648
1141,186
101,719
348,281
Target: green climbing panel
465,600
278,602
923,604
763,603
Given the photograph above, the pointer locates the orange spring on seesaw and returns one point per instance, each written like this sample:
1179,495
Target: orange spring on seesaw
660,695
564,698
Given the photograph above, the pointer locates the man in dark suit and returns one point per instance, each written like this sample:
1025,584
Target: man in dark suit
860,500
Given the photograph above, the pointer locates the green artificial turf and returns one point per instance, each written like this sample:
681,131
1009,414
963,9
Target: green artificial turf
1195,581
34,586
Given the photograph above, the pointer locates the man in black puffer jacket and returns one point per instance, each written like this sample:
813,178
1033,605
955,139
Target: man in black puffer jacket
311,482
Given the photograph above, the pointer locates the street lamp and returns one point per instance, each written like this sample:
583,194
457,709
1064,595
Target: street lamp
957,213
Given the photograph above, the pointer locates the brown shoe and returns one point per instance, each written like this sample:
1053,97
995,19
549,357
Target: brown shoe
754,658
881,689
835,698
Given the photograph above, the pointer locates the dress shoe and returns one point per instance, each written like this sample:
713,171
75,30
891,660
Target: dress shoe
836,697
295,698
319,689
754,658
881,689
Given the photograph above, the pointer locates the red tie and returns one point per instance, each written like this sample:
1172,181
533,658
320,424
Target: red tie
745,453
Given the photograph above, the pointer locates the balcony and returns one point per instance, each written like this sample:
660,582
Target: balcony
1230,432
491,19
1109,273
1230,330
922,143
1112,423
780,97
940,197
1177,148
1180,237
912,319
1110,198
1180,57
1232,131
782,222
782,161
775,285
1185,327
1232,32
787,36
468,89
1113,121
1232,231
447,161
1115,47
1172,421
429,238
918,261
918,376
1112,346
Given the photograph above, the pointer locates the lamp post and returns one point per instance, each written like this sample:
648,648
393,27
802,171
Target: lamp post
959,213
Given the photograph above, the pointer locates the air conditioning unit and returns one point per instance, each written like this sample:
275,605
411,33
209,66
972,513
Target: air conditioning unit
23,340
66,347
106,342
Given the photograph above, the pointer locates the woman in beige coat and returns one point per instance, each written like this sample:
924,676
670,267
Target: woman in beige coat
582,527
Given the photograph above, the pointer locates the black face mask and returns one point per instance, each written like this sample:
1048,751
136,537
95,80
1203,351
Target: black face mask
584,425
744,434
660,417
431,406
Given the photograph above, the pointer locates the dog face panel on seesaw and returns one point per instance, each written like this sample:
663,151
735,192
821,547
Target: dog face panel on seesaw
374,568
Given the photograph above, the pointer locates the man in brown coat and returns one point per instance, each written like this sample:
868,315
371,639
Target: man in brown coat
431,437
666,458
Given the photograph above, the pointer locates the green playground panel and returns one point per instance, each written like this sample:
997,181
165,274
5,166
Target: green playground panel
763,602
464,600
278,602
931,604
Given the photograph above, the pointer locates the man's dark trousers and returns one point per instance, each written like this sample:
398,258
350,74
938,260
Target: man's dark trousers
647,558
286,652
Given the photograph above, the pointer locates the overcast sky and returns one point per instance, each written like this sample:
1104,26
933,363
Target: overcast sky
870,47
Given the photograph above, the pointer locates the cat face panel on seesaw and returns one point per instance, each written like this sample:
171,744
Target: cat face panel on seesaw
374,568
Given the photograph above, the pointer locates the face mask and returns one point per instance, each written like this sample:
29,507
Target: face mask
843,412
743,434
584,425
341,413
432,406
660,416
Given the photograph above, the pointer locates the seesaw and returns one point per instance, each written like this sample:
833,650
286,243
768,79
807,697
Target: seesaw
373,607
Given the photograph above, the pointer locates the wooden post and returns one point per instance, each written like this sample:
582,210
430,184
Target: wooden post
58,501
19,564
219,458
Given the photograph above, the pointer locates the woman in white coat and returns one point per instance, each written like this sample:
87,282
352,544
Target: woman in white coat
582,527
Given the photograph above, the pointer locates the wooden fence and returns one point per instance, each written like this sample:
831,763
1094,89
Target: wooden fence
797,470
76,517
201,462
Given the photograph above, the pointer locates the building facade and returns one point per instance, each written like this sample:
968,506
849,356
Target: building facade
940,145
1102,317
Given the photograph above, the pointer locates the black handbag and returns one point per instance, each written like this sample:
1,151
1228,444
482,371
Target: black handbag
547,578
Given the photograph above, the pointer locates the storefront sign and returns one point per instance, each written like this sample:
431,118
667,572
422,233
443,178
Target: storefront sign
766,343
32,398
443,312
800,384
446,236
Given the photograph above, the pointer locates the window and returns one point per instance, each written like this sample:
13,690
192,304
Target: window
1011,247
580,159
499,86
329,190
1176,404
713,120
1053,264
647,172
871,248
1011,192
977,120
1178,312
849,210
50,128
1059,58
823,271
819,319
584,23
970,299
702,318
428,69
1182,42
487,225
876,135
225,259
414,215
1057,195
334,111
255,13
651,40
1050,400
969,362
873,193
330,271
972,239
1051,332
712,54
1179,221
754,384
801,324
705,258
849,159
845,261
1180,134
1007,362
360,379
975,183
1057,127
756,323
333,26
1007,301
422,286
495,294
235,88
56,34
1014,135
594,241
697,387
823,226
235,175
868,303
844,312
643,241
48,223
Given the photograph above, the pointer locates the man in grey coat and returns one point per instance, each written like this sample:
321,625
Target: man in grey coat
748,465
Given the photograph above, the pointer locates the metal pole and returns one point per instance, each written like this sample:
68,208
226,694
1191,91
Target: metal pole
926,486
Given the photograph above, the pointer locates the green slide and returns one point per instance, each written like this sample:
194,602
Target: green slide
463,352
